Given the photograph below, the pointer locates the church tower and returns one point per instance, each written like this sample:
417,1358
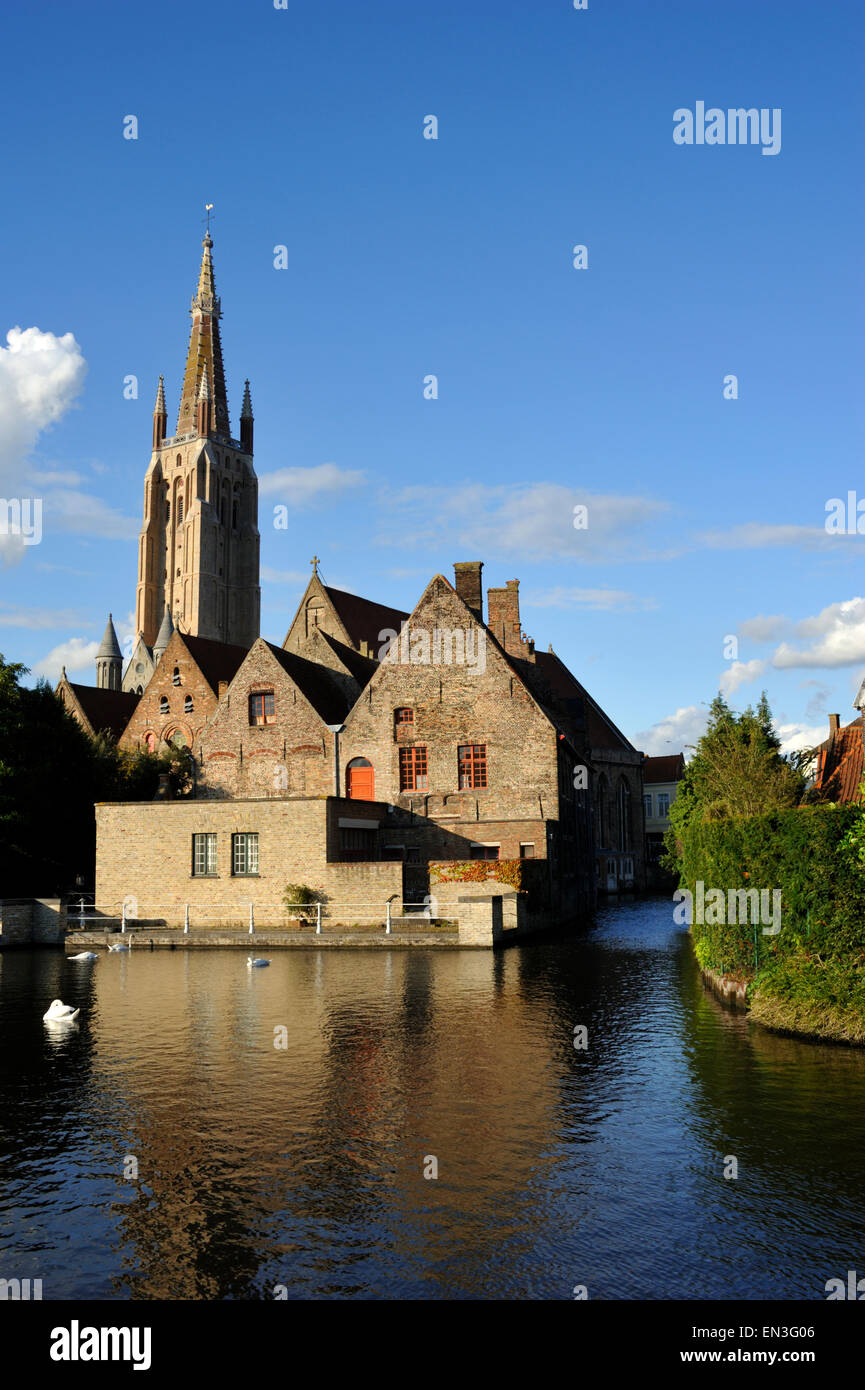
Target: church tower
198,547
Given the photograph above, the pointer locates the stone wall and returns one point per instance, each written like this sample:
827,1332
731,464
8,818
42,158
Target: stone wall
32,922
144,853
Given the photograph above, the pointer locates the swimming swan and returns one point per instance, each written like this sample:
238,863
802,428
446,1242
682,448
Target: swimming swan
60,1013
250,962
119,947
85,955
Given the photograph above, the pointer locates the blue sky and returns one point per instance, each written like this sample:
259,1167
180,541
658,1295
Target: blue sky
453,257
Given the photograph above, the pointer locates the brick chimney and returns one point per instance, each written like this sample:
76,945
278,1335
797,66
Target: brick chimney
834,724
503,607
467,582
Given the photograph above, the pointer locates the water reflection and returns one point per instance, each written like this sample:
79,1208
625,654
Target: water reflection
260,1165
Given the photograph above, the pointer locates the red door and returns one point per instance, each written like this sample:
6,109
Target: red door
360,780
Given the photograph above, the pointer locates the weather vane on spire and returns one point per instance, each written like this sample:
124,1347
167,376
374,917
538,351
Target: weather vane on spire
208,208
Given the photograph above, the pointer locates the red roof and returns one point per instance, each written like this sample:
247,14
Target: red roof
840,764
669,767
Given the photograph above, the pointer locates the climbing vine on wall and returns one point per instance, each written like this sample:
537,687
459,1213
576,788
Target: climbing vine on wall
509,871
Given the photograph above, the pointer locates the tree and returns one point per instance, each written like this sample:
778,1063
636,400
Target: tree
737,770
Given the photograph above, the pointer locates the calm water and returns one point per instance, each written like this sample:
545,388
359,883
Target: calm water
304,1166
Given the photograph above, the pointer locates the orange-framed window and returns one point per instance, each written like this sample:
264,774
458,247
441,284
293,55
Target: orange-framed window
472,765
413,769
261,707
403,716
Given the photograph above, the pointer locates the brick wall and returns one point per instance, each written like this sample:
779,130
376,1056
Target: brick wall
457,704
148,719
291,757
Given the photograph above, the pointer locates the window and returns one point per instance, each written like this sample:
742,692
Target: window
179,510
527,851
647,803
623,807
176,677
403,716
357,844
413,769
663,803
204,856
472,759
393,853
484,852
261,708
163,704
188,706
244,854
178,738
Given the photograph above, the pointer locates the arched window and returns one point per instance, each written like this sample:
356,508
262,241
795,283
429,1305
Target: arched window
360,780
163,705
150,741
188,705
178,738
623,815
179,508
603,798
176,677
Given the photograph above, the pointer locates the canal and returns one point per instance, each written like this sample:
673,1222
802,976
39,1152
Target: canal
212,1132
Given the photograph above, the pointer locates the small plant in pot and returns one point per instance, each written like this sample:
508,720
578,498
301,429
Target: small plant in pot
299,895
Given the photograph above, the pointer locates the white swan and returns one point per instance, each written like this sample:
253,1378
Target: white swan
60,1013
119,947
251,962
85,955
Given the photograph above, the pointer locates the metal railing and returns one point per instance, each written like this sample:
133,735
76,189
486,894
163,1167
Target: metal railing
131,916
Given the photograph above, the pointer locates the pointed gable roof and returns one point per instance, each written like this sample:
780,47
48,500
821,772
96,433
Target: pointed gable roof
103,710
363,619
315,683
217,661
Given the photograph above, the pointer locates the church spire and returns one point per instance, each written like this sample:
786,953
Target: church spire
109,659
204,354
160,416
246,419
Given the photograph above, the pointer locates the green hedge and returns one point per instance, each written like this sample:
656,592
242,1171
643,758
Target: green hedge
820,949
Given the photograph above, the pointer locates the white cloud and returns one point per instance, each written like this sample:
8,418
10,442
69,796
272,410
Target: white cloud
40,377
303,487
764,628
794,737
758,535
76,655
839,633
603,599
533,521
739,673
676,734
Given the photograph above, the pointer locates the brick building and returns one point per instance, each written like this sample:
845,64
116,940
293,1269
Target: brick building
397,746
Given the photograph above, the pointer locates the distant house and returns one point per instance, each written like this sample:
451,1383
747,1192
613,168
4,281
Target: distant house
661,778
840,762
